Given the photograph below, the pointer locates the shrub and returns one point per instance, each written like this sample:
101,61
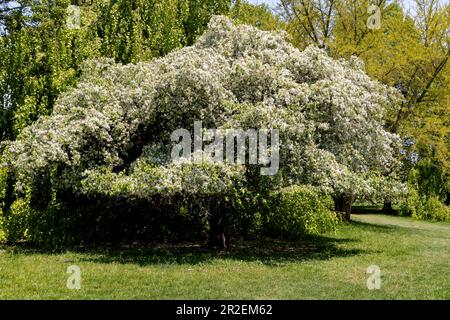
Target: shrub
14,221
423,207
432,209
424,203
246,213
80,222
300,210
410,204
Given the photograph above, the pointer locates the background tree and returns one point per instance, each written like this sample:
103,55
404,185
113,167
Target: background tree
138,30
260,16
40,58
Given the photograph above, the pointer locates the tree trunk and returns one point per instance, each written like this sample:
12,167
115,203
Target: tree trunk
387,207
219,237
343,205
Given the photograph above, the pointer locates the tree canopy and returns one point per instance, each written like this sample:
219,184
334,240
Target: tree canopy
329,113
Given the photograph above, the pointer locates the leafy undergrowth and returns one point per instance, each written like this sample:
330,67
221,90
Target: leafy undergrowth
413,256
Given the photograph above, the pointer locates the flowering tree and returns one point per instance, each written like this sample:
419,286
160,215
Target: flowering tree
111,135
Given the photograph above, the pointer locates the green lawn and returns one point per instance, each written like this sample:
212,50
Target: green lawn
414,258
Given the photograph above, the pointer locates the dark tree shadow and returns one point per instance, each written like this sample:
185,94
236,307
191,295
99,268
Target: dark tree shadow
270,252
376,227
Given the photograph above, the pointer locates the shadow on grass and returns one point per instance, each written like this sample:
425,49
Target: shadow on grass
365,226
269,252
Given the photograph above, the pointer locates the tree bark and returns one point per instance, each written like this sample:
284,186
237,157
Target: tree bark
219,237
343,205
387,207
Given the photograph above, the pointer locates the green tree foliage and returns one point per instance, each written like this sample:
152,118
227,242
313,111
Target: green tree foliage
260,16
39,58
138,30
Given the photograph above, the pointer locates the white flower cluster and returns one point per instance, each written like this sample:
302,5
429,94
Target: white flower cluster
329,114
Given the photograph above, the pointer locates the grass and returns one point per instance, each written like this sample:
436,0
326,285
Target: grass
414,258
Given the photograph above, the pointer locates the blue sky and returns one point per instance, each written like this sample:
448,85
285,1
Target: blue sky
271,3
